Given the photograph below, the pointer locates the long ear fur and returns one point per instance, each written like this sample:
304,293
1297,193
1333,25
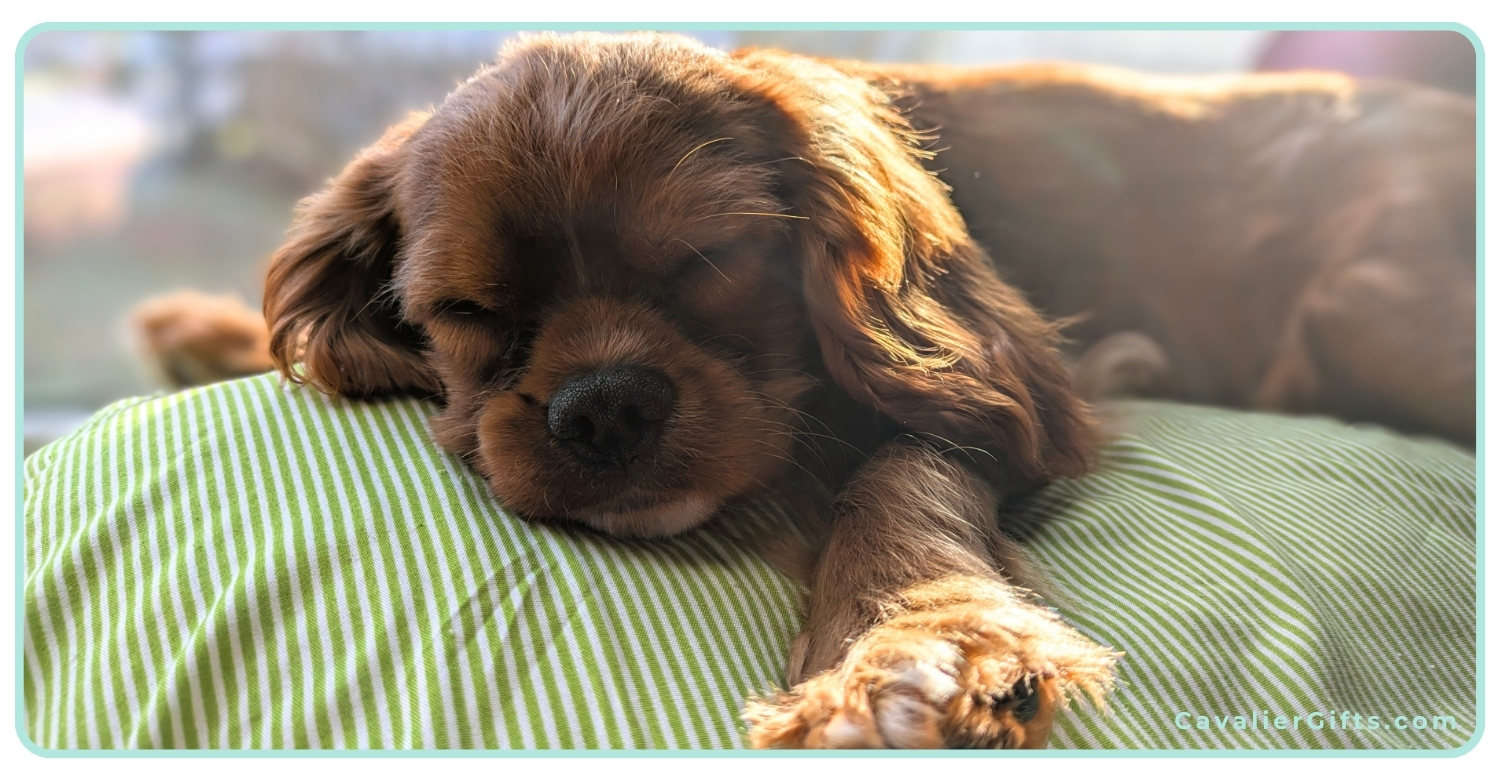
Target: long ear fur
909,312
325,302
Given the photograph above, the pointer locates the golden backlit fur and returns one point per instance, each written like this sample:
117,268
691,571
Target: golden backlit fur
760,236
959,662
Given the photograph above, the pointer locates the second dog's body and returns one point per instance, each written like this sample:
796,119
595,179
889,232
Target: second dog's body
1294,242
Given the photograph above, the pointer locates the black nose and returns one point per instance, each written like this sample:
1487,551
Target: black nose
611,415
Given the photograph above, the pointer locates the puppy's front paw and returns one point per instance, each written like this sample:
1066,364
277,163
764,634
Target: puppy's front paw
964,675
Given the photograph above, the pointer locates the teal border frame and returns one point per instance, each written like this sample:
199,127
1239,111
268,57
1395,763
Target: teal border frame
25,738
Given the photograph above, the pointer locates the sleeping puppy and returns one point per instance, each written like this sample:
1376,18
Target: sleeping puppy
650,281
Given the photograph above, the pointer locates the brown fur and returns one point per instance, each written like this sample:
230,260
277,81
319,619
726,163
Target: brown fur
759,229
1297,242
188,338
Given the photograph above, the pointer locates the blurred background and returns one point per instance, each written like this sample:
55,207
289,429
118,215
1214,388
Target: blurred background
158,161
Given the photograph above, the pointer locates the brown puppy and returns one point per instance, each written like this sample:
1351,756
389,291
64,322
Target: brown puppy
649,280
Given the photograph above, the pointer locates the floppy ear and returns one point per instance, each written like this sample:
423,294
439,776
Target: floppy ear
325,299
910,315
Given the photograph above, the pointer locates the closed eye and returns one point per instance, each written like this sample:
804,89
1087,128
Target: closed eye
696,259
461,310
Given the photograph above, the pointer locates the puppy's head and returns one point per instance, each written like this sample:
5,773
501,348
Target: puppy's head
621,260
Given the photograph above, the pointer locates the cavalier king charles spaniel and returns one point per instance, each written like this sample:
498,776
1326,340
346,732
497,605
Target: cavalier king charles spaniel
650,281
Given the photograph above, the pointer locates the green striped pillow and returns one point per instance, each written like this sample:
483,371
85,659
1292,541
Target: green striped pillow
249,565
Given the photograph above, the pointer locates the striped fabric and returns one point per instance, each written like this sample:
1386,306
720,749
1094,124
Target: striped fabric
253,566
1263,564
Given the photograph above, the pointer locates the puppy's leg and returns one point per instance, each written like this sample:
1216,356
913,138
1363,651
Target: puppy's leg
916,635
1386,342
190,338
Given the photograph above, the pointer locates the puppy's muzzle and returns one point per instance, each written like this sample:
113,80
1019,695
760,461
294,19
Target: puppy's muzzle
611,416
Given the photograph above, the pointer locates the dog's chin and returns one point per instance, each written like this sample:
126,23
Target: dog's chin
652,520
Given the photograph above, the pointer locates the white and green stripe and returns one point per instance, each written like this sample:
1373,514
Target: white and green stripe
249,565
1256,563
